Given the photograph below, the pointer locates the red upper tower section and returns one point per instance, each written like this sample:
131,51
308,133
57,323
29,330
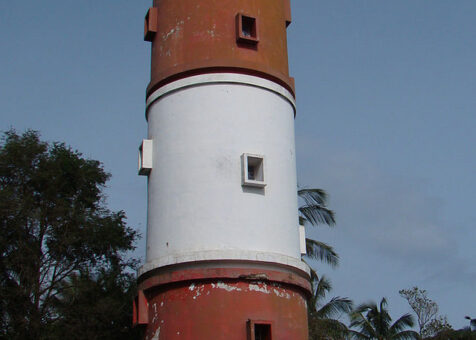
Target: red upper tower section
196,37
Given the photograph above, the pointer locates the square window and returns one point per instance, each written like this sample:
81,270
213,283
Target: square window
252,170
259,330
246,29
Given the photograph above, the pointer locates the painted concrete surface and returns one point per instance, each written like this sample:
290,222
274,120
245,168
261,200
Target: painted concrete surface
196,201
220,310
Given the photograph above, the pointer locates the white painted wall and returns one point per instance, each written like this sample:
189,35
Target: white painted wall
197,207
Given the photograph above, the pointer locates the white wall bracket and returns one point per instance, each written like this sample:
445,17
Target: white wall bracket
302,239
145,157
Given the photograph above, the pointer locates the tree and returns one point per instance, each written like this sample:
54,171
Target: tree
103,300
374,322
323,317
425,310
461,334
54,228
435,326
314,211
322,322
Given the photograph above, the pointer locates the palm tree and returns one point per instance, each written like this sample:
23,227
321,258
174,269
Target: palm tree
314,212
322,322
322,316
374,322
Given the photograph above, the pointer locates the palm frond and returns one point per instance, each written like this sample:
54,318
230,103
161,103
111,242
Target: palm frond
376,322
406,321
380,318
323,287
364,323
334,307
313,299
321,251
365,307
357,335
327,328
406,335
313,196
316,214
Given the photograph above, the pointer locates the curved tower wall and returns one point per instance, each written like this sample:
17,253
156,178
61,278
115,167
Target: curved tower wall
198,207
196,37
223,258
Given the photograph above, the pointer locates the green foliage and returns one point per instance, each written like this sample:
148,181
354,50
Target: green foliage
103,300
449,334
326,329
55,232
314,211
323,316
435,326
374,322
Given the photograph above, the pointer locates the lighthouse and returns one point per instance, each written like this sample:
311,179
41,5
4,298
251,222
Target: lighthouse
223,258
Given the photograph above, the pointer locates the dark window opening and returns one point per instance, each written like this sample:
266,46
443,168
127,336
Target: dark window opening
251,172
246,29
262,332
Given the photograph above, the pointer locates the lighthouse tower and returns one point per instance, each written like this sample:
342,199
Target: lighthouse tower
224,247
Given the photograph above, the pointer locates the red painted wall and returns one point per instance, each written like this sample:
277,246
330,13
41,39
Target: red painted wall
220,310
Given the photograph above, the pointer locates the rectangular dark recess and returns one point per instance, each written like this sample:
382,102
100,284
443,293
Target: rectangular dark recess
262,331
246,29
259,330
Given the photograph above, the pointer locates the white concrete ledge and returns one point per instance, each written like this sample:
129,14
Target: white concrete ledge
226,78
217,255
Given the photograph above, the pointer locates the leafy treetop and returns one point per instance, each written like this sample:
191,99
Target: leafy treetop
54,227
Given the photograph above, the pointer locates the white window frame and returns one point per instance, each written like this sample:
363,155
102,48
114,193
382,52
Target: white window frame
245,181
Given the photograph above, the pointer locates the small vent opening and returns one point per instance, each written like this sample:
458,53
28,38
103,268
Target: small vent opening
248,27
246,30
253,172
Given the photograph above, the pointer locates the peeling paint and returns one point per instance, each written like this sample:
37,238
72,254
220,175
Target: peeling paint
281,294
155,318
156,335
198,290
168,34
257,288
176,29
228,288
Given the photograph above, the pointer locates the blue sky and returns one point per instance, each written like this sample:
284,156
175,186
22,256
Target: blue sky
386,94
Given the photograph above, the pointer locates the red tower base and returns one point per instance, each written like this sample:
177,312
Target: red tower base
225,301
